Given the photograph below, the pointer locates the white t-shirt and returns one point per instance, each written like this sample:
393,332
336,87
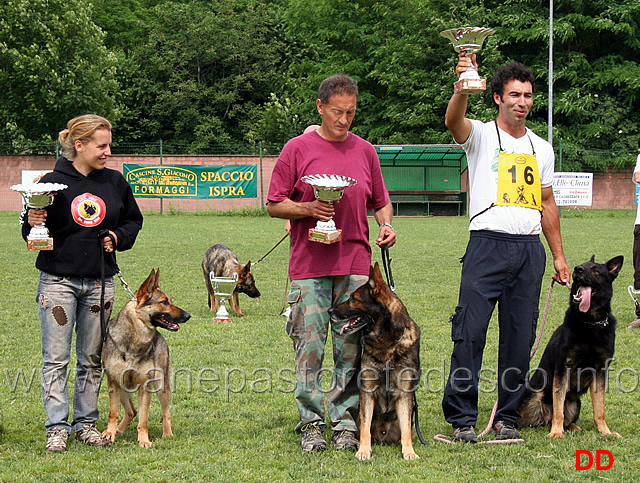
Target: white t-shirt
633,177
482,148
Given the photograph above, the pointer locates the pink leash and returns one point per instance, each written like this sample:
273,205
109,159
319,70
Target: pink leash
443,439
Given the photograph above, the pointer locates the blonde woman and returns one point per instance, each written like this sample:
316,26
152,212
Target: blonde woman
69,289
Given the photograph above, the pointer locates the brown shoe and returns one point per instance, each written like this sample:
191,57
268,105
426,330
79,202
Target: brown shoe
634,325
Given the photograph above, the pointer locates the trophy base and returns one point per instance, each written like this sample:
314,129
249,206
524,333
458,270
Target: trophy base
324,236
470,86
224,320
40,243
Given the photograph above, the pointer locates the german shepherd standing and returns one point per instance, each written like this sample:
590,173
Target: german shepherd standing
577,356
390,367
136,357
220,260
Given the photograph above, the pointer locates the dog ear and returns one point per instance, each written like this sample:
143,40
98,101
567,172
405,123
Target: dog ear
146,289
376,281
593,259
145,292
614,265
372,282
247,267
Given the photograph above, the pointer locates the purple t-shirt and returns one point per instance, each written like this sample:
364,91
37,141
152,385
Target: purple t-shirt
353,157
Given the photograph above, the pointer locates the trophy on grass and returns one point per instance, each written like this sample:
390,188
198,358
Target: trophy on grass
38,196
469,40
328,188
223,288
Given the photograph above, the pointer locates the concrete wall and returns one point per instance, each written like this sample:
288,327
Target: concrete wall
610,190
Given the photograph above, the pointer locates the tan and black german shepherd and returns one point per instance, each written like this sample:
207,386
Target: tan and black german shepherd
135,357
577,356
220,260
390,367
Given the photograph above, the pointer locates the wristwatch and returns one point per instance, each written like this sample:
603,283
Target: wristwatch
389,225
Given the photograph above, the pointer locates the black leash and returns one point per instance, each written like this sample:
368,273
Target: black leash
101,236
276,245
415,420
386,263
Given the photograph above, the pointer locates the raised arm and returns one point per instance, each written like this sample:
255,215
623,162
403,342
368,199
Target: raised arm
455,120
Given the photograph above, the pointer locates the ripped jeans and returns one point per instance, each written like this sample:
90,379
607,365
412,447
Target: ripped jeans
65,304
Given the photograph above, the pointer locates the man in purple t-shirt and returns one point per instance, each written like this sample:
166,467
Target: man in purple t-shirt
326,274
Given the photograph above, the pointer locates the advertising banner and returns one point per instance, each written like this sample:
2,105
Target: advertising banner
573,189
192,181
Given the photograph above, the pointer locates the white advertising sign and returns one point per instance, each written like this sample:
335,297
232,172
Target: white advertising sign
33,175
573,189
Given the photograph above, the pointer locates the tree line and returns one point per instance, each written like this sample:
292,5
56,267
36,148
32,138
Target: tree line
216,72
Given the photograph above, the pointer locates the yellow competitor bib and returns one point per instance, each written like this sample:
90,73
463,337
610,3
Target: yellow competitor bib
518,181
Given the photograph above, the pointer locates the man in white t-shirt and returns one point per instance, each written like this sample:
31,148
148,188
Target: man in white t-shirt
511,202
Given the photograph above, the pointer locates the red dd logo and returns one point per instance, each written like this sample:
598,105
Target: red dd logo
589,462
88,210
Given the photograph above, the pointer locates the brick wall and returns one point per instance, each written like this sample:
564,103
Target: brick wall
613,189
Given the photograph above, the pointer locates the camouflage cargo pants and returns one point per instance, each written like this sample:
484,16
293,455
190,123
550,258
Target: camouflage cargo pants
308,326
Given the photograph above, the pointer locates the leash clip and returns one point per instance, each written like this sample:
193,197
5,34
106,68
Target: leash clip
386,263
125,285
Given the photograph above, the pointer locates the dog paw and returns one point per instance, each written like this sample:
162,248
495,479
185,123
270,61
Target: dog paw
144,444
574,427
555,434
410,456
111,436
613,433
363,455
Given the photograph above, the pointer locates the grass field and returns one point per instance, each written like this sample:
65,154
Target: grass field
233,410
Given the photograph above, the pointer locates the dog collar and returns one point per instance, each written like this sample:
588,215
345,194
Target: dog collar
603,323
400,338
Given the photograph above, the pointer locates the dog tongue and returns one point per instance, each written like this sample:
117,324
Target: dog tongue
347,325
585,302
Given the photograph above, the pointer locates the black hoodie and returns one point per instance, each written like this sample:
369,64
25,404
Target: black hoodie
103,200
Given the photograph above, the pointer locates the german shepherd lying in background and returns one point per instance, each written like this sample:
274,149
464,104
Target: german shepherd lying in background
220,260
136,357
390,367
577,356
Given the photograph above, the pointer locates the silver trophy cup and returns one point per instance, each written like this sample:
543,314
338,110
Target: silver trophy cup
223,288
469,40
38,196
328,188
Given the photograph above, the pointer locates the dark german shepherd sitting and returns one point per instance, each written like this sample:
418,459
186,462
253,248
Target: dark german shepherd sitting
577,356
136,358
390,367
223,263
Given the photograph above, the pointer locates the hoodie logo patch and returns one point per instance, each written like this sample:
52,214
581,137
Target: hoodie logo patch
88,210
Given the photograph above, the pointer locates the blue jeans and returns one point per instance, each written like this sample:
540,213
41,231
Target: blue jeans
66,303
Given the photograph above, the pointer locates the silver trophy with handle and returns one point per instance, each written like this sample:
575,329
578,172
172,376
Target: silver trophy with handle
38,196
469,40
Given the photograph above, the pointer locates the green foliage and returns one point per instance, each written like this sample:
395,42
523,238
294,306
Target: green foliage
229,71
206,66
54,66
